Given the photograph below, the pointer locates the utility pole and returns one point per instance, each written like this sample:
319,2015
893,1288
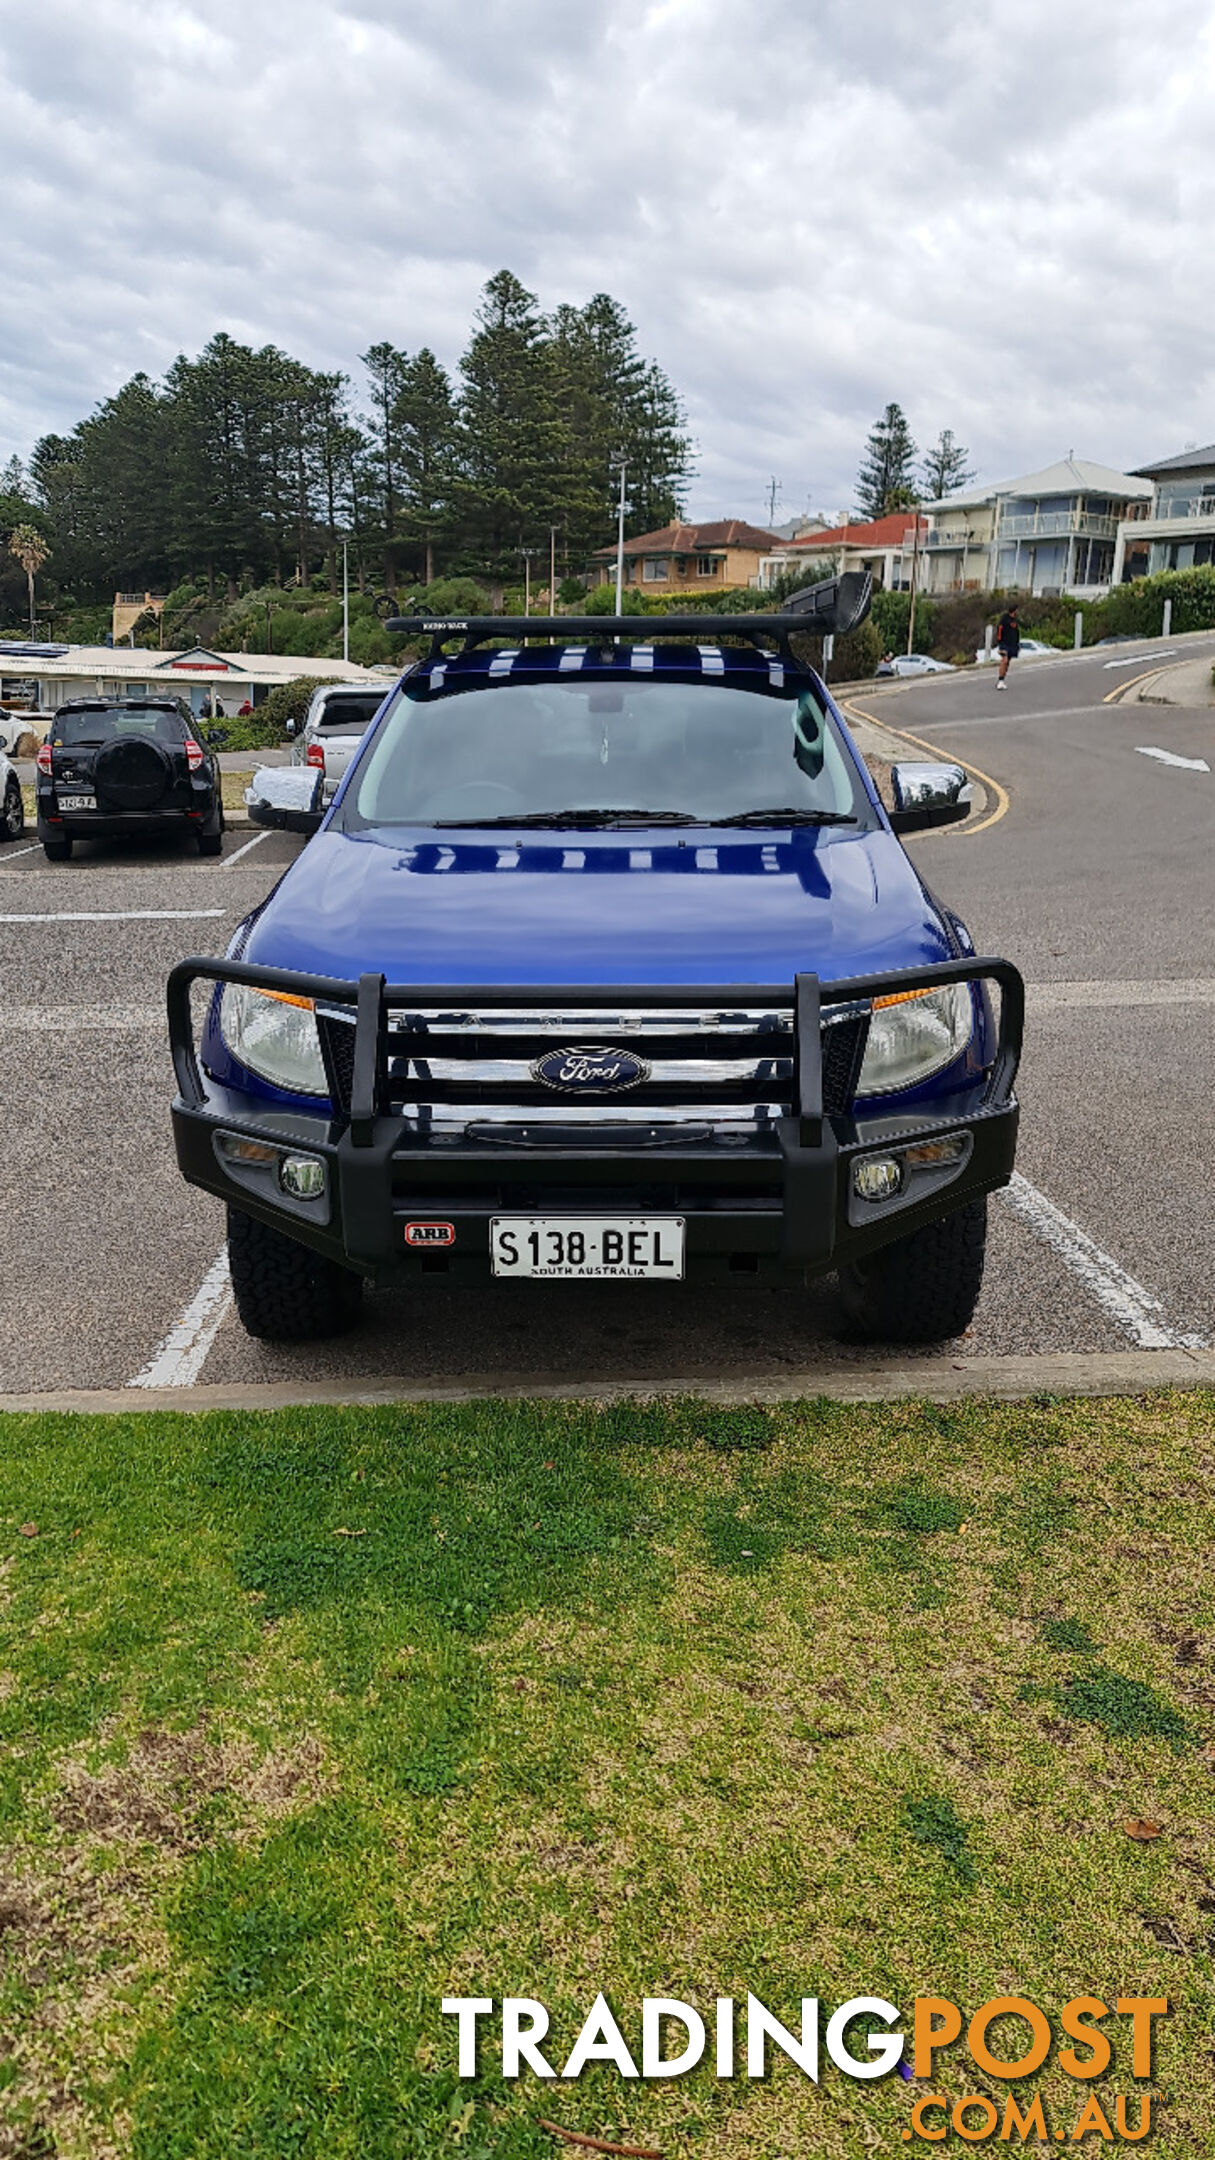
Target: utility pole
774,488
345,606
552,569
915,559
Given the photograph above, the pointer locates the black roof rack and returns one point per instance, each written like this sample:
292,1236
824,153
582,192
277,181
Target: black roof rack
830,608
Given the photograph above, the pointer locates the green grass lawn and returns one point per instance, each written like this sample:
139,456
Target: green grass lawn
313,1718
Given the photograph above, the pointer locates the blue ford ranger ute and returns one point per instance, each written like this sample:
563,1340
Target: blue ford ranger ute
605,961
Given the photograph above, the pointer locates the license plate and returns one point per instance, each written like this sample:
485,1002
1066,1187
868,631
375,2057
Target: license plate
77,802
588,1246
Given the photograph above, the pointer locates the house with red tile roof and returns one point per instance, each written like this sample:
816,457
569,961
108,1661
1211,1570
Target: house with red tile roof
881,545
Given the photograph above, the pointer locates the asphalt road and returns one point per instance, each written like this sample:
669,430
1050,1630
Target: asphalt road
1092,867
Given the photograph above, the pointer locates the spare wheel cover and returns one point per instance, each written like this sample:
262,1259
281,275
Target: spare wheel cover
132,772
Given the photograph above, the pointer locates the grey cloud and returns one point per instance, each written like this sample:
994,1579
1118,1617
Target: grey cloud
997,216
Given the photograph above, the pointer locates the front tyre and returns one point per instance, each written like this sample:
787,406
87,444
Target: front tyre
922,1288
285,1292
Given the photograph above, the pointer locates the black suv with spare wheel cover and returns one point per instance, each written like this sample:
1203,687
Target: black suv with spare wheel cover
113,766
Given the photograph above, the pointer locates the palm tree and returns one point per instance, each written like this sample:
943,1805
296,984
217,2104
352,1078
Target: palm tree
31,551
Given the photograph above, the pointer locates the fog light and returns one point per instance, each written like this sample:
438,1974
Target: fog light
235,1148
877,1177
302,1176
935,1154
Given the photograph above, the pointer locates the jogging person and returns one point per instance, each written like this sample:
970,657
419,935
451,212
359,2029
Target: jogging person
1008,640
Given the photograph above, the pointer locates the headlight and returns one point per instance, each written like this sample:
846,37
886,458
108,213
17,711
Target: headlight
914,1035
274,1035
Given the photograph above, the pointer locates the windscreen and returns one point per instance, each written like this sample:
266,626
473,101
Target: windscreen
101,726
349,715
698,751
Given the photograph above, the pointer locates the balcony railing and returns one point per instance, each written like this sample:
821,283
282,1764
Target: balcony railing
1201,505
1059,525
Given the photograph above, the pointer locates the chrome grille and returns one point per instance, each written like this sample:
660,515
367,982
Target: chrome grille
729,1070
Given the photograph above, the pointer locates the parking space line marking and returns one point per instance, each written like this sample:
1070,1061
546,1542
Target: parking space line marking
1114,994
160,914
16,853
181,1356
238,852
1126,1302
69,1019
1173,757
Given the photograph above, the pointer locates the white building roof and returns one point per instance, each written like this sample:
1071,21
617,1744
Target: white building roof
1069,476
196,663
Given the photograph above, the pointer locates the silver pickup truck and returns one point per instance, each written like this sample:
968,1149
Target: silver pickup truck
336,721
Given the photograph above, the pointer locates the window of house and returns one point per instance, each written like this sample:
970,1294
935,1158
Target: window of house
705,566
655,570
681,565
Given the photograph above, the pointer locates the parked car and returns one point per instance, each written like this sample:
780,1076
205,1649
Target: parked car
111,767
12,808
337,719
1030,648
13,725
606,962
915,663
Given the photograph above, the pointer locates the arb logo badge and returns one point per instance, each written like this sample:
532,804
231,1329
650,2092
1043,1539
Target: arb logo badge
430,1233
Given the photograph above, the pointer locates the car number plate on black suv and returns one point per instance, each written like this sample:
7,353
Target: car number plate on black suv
77,802
581,1246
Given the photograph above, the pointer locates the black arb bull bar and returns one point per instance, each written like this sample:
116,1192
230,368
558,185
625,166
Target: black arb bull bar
377,1161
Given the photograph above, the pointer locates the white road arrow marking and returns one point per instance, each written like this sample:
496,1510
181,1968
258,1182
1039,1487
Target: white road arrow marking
1135,658
1170,757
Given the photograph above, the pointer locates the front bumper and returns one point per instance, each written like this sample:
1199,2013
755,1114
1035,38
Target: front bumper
782,1203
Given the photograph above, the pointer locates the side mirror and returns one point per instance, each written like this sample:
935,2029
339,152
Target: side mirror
216,738
291,728
286,798
927,795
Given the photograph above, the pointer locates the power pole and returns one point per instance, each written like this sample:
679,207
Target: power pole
774,488
915,558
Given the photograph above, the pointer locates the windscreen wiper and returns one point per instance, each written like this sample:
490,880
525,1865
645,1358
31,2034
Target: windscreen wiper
557,818
787,817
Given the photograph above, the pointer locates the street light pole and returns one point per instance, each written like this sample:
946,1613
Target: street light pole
345,606
620,545
527,554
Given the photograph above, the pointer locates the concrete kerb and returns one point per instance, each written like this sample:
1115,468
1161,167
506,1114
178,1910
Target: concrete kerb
931,1379
1188,683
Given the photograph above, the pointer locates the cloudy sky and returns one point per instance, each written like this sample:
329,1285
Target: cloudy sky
999,214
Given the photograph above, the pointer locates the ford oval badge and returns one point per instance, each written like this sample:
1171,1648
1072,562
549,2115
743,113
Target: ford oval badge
578,1072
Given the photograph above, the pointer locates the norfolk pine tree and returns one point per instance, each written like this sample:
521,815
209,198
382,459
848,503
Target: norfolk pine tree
945,469
886,478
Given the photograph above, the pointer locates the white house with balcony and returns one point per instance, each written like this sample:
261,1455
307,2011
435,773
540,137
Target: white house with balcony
1176,531
1048,532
